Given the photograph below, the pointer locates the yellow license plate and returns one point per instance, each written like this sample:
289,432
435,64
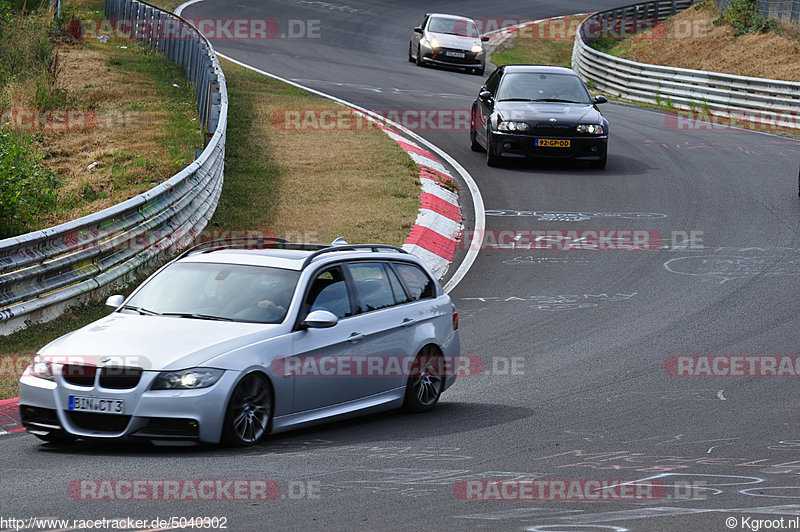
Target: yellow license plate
552,143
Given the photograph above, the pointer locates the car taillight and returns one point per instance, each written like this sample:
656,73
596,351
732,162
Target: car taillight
455,321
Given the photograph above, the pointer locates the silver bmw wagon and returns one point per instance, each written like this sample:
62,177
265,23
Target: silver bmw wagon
231,341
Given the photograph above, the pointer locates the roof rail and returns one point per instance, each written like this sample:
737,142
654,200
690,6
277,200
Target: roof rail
230,243
375,248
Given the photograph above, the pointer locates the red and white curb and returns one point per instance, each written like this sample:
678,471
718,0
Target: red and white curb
438,228
9,417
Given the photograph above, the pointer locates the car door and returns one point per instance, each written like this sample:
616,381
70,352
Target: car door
387,325
320,377
485,106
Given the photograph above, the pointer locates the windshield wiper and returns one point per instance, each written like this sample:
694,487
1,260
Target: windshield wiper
196,316
141,310
518,100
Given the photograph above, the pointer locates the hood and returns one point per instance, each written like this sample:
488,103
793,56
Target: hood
154,342
447,40
541,112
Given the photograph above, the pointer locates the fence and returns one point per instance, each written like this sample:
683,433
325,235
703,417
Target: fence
44,271
787,11
754,100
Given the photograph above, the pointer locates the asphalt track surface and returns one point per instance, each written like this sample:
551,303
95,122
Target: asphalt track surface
590,330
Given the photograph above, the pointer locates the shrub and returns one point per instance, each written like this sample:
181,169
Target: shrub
27,189
741,14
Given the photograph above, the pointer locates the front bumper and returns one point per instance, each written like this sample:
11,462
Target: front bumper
440,56
518,145
158,415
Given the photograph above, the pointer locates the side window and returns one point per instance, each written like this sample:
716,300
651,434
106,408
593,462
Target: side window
372,286
416,281
400,295
329,292
493,81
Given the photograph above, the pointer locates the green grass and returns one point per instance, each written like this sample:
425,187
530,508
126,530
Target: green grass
553,50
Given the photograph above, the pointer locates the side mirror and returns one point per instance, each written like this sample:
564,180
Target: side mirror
418,29
484,38
485,95
600,99
320,319
114,301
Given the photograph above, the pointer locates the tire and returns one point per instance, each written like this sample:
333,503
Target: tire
410,59
419,57
492,159
249,411
58,437
473,137
473,142
425,384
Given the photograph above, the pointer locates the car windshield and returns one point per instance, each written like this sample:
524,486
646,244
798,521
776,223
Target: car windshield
211,291
462,27
534,86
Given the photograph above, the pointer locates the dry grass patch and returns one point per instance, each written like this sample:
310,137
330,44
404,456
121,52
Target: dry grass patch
146,128
692,40
355,183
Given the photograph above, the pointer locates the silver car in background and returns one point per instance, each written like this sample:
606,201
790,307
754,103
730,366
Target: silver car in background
229,343
448,40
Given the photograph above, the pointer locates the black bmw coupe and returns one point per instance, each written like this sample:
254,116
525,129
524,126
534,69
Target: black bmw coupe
526,111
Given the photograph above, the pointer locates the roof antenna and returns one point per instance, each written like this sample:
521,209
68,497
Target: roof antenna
340,242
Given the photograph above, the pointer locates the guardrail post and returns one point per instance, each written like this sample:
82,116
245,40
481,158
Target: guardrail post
674,7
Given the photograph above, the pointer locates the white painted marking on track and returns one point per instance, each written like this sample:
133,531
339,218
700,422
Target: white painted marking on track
720,396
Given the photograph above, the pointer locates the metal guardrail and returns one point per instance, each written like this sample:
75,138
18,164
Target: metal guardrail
41,272
770,101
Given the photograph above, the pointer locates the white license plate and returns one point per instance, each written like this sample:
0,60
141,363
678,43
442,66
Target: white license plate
454,54
96,404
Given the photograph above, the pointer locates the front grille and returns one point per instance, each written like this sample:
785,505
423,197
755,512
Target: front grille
469,57
543,128
112,423
79,375
119,378
164,427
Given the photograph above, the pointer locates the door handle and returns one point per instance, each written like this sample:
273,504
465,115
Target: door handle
355,337
408,322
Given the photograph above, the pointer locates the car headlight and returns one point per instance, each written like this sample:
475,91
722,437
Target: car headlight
591,129
433,42
509,125
477,49
187,379
40,367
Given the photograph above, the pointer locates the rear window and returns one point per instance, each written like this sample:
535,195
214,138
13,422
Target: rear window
417,283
